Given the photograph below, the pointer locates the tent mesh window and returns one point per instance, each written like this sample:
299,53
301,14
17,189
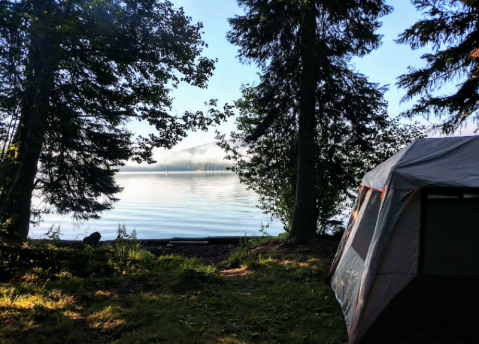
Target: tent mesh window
366,227
450,233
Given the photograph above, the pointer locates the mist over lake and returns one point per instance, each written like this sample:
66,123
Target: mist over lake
174,204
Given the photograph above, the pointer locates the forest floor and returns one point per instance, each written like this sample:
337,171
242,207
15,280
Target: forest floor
256,292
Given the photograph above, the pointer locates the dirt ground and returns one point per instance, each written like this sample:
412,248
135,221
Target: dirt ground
324,248
209,254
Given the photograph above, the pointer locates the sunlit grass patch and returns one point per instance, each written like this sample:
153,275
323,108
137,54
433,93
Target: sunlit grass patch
109,316
272,296
235,272
106,294
28,295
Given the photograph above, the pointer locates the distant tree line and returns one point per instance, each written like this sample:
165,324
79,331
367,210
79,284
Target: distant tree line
178,167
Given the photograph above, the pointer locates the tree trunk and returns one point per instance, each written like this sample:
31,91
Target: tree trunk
304,216
17,215
17,187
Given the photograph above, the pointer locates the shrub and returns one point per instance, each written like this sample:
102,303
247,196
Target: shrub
127,250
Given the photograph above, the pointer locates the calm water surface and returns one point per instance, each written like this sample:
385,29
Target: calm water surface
181,204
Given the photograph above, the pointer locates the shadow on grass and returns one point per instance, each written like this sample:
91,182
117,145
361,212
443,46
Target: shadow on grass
274,297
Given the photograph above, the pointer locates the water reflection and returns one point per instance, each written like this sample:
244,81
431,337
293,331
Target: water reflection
182,204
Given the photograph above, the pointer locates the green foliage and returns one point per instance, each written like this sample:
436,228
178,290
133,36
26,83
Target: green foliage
310,111
241,255
283,300
53,234
193,275
73,74
89,254
127,251
269,164
450,27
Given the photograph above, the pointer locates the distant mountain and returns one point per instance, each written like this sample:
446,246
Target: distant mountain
202,148
206,157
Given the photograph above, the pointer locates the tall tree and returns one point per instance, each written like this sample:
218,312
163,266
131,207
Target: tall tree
269,165
303,49
451,28
73,74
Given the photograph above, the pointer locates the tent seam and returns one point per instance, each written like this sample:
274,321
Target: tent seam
361,318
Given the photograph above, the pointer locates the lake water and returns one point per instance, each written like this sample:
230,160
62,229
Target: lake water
177,204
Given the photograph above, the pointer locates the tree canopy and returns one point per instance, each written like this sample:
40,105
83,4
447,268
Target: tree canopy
304,49
268,165
451,28
73,74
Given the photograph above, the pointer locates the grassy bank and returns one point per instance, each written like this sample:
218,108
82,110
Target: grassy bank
123,294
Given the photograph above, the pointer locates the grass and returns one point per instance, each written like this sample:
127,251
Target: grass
51,293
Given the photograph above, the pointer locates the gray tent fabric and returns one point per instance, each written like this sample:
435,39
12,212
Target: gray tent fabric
366,279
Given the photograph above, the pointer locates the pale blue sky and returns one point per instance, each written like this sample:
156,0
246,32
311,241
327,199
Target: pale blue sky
382,66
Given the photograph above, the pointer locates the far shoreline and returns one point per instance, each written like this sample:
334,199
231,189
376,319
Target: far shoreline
212,240
164,172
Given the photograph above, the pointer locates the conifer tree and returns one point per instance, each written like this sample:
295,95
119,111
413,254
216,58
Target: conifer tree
451,28
304,50
73,74
268,165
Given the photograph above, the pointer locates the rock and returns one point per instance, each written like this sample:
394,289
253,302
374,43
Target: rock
92,239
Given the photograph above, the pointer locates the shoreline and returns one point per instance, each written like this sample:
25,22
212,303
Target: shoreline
212,240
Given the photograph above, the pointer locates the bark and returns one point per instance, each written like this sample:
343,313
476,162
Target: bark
17,215
21,168
304,216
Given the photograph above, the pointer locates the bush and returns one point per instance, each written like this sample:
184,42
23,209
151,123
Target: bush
127,250
241,255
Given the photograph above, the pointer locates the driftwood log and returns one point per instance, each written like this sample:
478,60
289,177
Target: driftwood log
189,242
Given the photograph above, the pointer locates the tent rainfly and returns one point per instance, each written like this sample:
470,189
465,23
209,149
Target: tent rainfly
407,267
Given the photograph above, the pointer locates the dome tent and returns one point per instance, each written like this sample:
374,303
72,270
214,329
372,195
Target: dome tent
407,267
